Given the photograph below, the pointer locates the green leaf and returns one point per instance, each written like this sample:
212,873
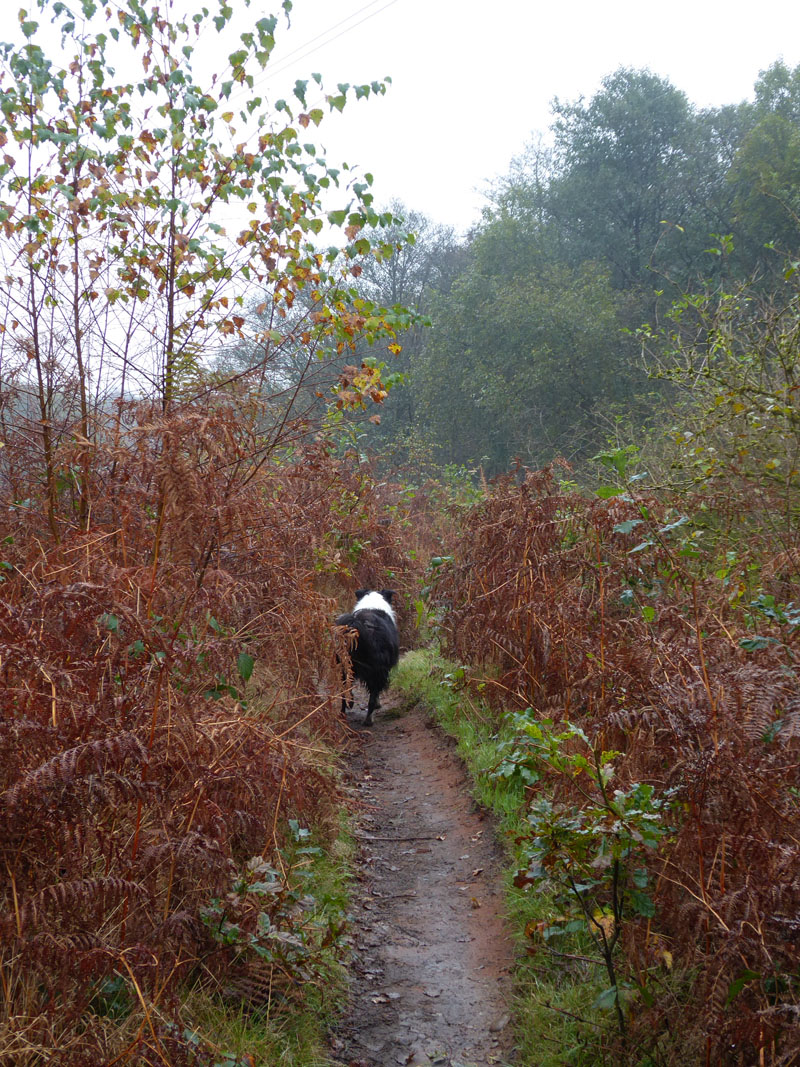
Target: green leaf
755,644
244,665
627,526
674,525
606,1000
640,877
738,984
642,904
300,87
222,689
607,491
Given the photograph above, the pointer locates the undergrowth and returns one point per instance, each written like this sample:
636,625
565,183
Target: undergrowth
293,1029
649,712
182,519
170,701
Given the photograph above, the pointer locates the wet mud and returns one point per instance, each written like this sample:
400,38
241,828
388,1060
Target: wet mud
430,978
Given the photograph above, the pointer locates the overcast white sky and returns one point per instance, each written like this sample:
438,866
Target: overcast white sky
473,81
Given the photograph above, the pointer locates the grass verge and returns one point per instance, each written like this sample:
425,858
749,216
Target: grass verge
556,978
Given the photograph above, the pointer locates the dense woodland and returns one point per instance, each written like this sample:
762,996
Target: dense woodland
569,441
633,200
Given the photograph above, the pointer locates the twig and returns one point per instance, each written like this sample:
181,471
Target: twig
366,837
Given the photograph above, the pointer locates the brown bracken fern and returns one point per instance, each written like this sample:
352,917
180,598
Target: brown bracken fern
607,615
135,787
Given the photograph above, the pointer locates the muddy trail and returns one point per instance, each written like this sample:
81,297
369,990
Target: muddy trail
430,978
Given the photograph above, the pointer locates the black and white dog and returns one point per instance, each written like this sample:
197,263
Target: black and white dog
375,647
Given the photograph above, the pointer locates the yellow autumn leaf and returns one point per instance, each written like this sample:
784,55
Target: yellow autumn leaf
605,922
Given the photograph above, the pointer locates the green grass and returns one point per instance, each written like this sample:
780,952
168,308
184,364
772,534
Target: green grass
554,992
241,1039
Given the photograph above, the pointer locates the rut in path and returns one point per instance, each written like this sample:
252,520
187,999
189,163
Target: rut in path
430,978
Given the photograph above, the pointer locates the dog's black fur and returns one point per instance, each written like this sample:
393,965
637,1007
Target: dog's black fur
375,646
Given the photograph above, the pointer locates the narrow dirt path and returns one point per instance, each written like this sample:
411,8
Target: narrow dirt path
430,981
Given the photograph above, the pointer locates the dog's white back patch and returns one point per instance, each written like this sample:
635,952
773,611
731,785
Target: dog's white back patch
375,602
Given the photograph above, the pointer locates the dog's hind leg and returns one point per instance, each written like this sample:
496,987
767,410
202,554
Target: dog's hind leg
372,707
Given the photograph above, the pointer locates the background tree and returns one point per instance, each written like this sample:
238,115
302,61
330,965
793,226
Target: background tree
530,365
623,161
765,172
582,242
414,275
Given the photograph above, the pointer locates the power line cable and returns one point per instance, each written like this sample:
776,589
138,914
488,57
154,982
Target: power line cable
288,56
288,61
335,26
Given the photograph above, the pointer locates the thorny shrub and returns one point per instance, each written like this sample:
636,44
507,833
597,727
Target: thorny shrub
611,620
138,790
